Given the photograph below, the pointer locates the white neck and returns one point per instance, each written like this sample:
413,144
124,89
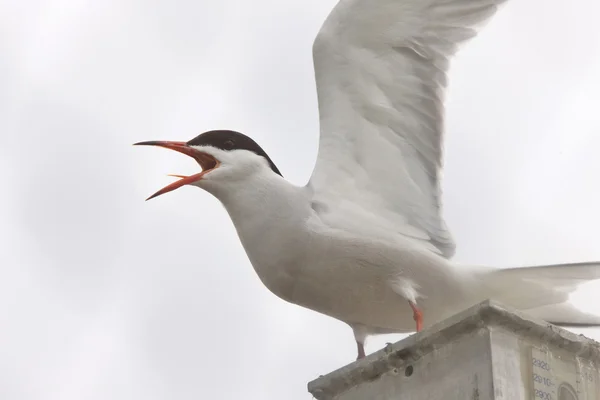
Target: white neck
269,214
262,196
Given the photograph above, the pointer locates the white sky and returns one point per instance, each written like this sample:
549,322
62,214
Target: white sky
103,295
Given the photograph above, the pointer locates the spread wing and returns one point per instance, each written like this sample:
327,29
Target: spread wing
380,69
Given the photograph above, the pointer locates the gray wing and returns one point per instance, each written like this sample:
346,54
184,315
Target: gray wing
380,69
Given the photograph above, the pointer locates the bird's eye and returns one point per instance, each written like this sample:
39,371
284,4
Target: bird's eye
228,145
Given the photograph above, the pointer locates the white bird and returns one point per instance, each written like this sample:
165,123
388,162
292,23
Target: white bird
364,240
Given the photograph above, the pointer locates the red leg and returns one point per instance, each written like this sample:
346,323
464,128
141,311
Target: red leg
417,315
361,350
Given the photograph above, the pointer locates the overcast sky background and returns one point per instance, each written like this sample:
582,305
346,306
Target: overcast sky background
103,295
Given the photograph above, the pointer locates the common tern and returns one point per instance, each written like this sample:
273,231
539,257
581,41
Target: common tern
364,240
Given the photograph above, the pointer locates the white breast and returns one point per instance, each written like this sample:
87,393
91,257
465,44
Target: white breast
335,272
270,216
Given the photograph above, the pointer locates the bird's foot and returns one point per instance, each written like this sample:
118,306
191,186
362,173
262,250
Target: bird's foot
361,350
417,315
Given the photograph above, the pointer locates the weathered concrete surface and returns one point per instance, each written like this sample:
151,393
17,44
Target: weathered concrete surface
486,352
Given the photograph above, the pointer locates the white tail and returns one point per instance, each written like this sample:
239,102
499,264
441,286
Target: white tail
543,291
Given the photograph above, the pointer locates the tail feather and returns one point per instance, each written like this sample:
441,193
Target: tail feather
543,291
566,315
565,277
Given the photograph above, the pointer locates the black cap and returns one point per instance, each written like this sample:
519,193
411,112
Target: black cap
231,140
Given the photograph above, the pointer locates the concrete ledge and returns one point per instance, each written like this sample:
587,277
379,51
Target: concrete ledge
485,352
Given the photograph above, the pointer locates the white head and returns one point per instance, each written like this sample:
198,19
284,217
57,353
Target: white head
226,157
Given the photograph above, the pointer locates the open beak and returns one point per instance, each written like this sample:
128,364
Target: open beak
206,161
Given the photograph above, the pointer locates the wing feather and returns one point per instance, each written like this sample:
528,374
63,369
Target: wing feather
380,69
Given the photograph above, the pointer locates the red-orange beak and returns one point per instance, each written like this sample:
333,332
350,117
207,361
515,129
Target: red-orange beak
206,161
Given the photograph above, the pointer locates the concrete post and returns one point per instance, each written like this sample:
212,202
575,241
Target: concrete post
486,352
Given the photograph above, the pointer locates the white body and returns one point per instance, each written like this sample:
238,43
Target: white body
362,280
354,278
